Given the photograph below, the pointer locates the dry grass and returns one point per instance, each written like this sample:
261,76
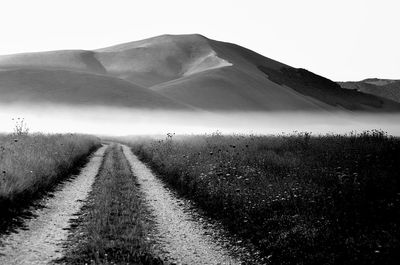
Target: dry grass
113,226
301,199
33,164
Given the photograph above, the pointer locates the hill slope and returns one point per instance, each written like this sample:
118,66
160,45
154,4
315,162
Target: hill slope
385,88
160,59
28,86
74,60
174,72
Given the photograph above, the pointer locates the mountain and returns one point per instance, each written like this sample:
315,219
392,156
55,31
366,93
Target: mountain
385,88
78,88
183,72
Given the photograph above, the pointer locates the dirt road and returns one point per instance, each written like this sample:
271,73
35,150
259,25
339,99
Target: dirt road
183,235
39,241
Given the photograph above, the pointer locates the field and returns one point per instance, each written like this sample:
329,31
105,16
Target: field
301,199
286,199
33,164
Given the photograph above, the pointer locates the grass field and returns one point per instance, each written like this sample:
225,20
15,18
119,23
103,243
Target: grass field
301,199
33,164
112,227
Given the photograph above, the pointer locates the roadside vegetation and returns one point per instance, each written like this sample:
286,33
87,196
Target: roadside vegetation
112,227
31,165
301,199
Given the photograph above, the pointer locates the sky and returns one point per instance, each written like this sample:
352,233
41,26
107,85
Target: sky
339,39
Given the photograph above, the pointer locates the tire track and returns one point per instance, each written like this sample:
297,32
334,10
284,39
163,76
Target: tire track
183,236
39,241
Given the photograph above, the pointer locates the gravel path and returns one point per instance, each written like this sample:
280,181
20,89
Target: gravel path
183,236
38,242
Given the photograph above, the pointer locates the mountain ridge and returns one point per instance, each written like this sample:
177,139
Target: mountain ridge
183,72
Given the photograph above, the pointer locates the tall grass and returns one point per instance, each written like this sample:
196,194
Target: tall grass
31,164
301,199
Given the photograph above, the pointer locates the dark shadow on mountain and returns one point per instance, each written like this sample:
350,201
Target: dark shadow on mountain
327,91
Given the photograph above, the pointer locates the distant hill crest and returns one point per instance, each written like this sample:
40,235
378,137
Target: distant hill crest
385,88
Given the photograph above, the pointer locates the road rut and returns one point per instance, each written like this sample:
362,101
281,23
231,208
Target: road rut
40,240
180,234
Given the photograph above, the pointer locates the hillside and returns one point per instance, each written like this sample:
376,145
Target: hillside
175,72
27,86
385,88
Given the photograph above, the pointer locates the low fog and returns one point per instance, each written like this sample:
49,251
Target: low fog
121,122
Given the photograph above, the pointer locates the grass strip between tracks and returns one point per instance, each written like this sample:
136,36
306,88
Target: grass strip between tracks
112,227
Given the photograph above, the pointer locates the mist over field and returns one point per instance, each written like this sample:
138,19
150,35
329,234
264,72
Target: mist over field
126,121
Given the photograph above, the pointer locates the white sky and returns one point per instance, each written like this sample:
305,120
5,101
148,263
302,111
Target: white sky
339,39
